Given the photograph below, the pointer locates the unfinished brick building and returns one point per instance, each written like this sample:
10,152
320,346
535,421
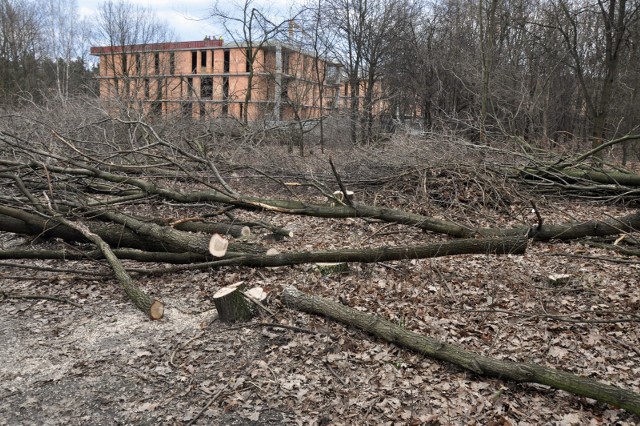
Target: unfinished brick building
210,79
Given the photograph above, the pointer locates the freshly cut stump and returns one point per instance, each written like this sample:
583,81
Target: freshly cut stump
231,304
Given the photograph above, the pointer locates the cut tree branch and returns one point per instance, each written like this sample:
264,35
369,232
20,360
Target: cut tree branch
479,364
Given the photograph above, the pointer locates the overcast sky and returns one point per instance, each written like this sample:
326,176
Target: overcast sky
183,16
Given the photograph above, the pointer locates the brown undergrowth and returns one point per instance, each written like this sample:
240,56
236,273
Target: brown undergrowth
84,355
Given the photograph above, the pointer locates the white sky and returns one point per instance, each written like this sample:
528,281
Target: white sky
187,18
183,16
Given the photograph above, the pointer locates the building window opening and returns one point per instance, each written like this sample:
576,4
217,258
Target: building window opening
206,87
194,62
227,60
250,59
203,58
146,88
172,63
190,87
156,62
138,64
285,62
156,107
225,88
124,65
187,109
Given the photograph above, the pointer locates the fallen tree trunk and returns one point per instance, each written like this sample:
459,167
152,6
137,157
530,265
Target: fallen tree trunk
129,233
300,207
507,245
150,306
571,231
496,246
479,364
121,253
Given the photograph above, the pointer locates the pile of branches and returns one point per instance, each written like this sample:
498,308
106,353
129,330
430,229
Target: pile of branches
81,188
584,176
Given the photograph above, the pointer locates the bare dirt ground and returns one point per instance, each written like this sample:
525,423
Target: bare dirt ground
99,361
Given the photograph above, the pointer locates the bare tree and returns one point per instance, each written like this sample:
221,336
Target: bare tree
20,47
251,27
319,39
123,26
595,39
67,39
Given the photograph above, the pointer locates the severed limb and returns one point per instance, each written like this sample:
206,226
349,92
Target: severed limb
477,363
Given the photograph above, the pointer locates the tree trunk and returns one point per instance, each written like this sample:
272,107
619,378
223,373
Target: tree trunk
479,364
133,233
150,306
509,245
231,304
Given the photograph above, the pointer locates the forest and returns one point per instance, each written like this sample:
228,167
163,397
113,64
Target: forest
458,246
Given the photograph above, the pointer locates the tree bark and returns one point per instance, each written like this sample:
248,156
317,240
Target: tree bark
231,304
509,245
479,364
150,306
131,233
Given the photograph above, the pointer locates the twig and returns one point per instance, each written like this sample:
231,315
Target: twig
379,231
326,363
259,304
604,259
274,325
34,296
213,398
342,188
61,270
546,315
540,219
173,354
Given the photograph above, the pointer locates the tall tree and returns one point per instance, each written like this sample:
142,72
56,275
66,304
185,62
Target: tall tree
121,25
20,48
67,41
595,38
319,39
251,27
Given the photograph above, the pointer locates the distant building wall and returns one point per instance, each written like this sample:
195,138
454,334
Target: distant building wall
210,79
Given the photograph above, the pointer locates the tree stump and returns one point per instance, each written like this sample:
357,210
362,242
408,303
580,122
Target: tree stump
231,304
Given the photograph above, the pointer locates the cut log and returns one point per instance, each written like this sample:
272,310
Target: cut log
135,234
218,245
231,304
486,246
479,364
152,307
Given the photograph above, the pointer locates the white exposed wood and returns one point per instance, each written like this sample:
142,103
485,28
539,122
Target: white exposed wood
332,267
559,279
256,293
218,245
